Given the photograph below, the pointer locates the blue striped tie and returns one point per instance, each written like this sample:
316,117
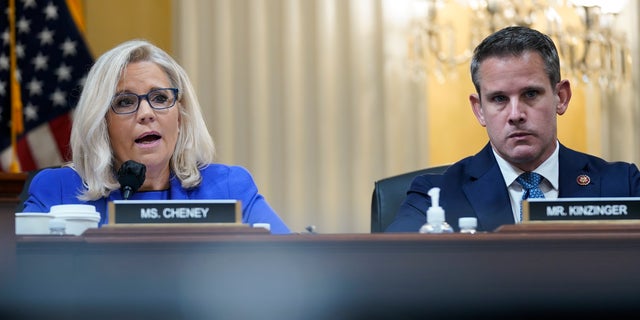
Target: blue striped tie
530,182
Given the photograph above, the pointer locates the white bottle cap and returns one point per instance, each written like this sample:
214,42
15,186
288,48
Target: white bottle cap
262,225
468,223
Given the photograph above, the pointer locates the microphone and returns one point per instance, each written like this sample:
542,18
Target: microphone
131,176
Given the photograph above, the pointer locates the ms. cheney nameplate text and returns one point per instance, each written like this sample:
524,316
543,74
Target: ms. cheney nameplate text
174,211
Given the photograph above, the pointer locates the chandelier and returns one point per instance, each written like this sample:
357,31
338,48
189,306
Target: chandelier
591,49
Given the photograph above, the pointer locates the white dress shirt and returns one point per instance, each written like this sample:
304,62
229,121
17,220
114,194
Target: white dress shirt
549,184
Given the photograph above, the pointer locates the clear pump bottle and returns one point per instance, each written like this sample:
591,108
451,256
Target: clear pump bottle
436,222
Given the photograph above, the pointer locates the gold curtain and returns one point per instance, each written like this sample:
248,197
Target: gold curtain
315,97
312,96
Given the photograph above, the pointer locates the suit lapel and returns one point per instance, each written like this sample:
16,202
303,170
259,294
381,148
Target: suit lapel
572,165
487,192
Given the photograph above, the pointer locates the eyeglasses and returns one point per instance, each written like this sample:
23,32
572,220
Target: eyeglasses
158,99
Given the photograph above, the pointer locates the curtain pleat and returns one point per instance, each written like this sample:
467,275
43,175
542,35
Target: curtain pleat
312,96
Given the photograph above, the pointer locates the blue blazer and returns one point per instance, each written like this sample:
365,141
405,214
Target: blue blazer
63,185
474,187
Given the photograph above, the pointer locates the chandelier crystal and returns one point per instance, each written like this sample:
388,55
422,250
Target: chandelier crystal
591,49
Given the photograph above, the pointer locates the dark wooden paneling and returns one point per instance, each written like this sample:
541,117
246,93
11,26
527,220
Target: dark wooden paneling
174,273
10,188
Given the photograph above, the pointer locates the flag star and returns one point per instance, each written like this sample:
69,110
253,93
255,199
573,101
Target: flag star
40,62
63,72
29,3
23,25
82,80
68,48
58,98
31,112
3,90
46,37
5,37
19,50
35,87
4,62
51,11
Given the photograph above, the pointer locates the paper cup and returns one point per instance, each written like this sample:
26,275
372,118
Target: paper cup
262,225
29,223
69,208
79,217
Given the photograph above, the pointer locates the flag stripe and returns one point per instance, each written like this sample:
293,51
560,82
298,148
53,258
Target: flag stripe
60,128
43,146
5,158
27,162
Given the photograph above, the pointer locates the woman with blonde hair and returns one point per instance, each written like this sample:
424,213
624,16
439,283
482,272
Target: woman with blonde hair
138,104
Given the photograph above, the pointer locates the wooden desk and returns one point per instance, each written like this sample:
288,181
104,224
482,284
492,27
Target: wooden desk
10,188
194,274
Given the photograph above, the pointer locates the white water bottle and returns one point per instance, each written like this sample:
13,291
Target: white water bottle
468,225
436,222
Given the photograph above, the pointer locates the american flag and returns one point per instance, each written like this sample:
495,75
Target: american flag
52,60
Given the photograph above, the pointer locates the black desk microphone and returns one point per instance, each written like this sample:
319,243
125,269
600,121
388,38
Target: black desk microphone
131,176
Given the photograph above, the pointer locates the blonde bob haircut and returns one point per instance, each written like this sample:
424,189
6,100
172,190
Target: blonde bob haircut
92,156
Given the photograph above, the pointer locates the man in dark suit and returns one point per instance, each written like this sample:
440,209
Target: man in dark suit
516,74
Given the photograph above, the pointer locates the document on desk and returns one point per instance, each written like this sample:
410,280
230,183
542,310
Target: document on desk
138,212
581,209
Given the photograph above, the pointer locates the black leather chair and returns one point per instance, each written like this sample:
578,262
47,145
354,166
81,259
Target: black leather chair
388,194
25,189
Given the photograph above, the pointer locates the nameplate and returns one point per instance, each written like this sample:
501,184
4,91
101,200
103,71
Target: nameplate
581,209
174,212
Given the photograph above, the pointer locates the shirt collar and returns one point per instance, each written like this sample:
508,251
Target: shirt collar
548,169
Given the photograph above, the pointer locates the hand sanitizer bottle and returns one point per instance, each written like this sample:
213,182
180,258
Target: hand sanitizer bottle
435,215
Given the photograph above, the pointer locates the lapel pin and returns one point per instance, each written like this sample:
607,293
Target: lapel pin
583,180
